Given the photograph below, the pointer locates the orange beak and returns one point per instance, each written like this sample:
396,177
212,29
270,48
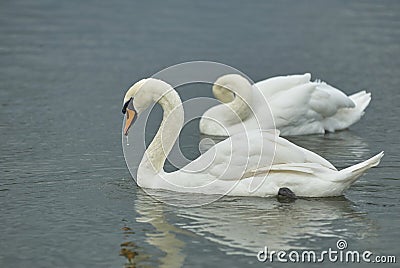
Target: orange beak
130,118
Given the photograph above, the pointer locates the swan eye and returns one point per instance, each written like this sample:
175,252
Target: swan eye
128,104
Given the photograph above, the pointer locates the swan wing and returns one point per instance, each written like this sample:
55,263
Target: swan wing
303,109
272,85
327,100
304,168
248,152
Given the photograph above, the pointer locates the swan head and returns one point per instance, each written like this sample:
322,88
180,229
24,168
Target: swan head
141,95
133,90
129,108
228,86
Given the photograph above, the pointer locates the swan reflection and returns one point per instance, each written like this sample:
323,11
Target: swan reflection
164,237
245,225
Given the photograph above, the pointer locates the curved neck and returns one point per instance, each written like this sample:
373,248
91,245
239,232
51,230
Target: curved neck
170,127
241,98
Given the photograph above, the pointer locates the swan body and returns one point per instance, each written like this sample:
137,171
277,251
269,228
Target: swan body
292,104
253,163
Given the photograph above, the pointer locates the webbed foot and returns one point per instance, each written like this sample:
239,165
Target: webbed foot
286,195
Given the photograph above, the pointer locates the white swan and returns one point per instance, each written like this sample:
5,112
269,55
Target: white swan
254,163
298,106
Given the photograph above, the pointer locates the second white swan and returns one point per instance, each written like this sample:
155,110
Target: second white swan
292,104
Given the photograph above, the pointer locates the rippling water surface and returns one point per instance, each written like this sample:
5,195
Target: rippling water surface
67,198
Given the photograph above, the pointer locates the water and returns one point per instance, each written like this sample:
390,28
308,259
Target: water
67,199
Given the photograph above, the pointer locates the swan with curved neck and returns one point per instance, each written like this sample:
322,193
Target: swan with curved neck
138,99
292,104
254,163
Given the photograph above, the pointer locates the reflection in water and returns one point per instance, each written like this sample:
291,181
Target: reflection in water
131,251
244,225
128,251
164,238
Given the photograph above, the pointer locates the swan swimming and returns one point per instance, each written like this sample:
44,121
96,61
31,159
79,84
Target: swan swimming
253,163
297,106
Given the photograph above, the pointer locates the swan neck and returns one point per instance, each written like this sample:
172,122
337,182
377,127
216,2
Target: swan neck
170,127
240,106
242,97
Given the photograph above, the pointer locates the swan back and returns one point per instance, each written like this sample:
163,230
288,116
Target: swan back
273,85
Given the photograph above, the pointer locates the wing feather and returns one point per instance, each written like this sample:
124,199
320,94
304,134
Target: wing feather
255,150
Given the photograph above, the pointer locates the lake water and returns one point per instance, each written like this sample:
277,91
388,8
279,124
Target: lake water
66,196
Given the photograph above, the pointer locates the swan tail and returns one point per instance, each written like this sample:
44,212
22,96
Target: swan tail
362,100
346,117
351,174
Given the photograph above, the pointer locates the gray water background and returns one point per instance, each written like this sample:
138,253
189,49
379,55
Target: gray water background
66,196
